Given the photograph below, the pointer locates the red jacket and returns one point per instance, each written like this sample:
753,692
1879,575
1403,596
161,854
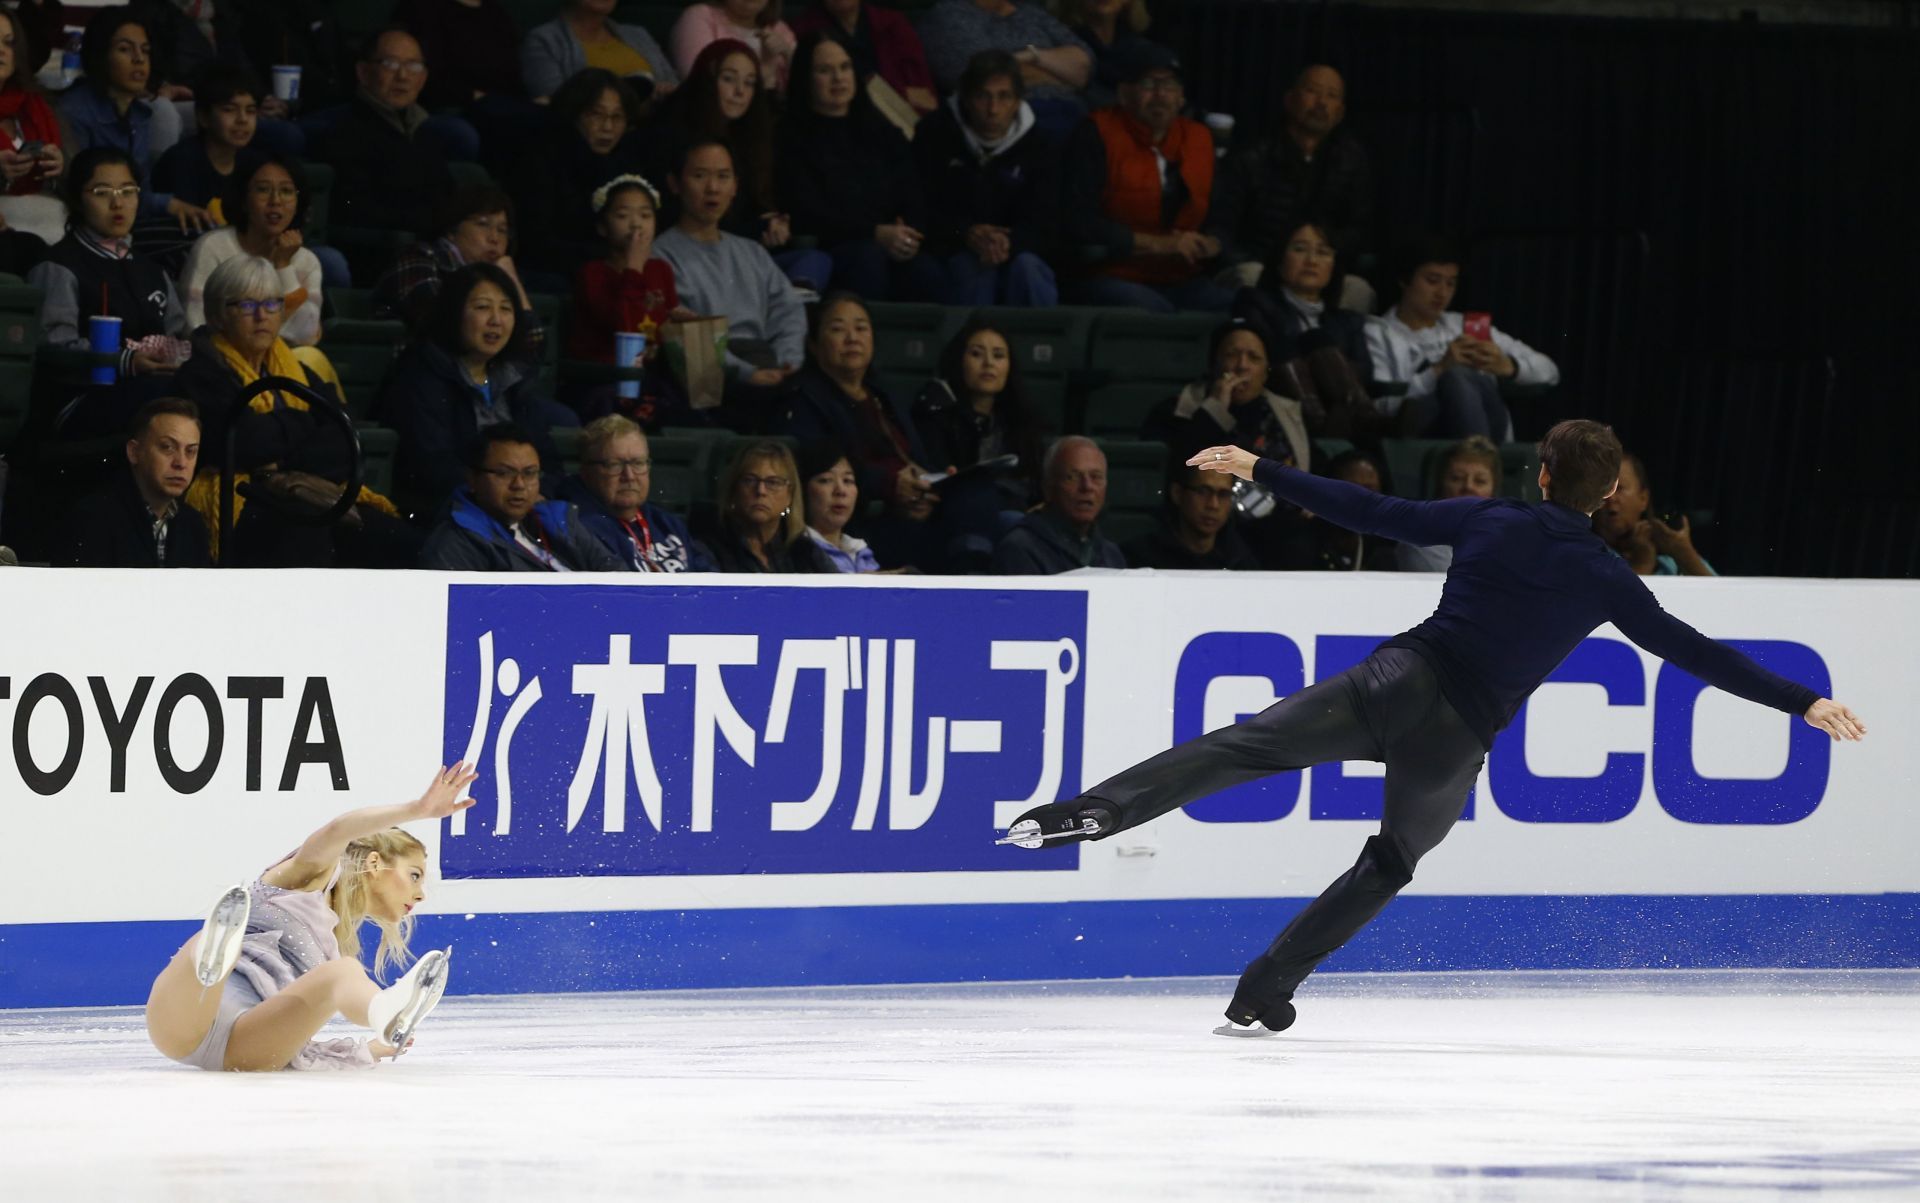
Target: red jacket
1132,193
37,124
899,57
609,300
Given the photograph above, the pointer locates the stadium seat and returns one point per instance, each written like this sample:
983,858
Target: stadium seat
20,336
680,471
353,304
16,393
908,338
378,446
319,179
1412,464
1520,471
566,440
1136,476
362,351
1325,450
1115,411
1129,346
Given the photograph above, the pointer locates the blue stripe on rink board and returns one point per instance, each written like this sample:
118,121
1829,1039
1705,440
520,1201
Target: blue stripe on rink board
101,964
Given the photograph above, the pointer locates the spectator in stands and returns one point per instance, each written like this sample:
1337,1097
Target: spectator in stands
1451,380
497,522
31,155
721,273
138,521
1647,542
290,459
471,48
1197,530
845,175
1112,30
1064,533
992,181
754,22
763,515
611,489
723,102
294,33
835,399
833,497
628,289
1320,350
883,45
1234,404
1139,178
977,410
464,373
589,140
226,110
584,36
1336,549
386,174
267,204
94,269
1471,468
476,226
109,108
1312,169
1055,64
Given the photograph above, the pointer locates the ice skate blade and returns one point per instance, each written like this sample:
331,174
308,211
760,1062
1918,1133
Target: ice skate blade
1026,833
221,935
431,984
1234,1029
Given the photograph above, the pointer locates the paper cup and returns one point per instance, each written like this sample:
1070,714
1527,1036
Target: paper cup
628,348
286,83
103,338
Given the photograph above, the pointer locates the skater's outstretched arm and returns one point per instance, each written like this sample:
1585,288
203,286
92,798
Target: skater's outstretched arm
1422,523
1638,614
313,863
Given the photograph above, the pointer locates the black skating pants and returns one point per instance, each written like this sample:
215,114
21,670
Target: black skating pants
1389,709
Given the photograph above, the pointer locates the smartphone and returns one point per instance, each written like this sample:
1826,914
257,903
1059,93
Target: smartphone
31,149
1478,326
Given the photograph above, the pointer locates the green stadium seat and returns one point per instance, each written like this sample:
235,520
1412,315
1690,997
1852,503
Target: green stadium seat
1049,401
20,332
362,351
680,471
1520,471
908,337
1326,450
1130,346
1047,343
378,447
16,397
319,180
352,304
1136,476
566,440
1124,526
1116,411
1411,465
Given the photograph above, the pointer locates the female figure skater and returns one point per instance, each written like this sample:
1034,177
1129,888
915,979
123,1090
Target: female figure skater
1527,584
276,960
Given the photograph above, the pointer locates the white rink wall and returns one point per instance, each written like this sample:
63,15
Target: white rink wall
811,775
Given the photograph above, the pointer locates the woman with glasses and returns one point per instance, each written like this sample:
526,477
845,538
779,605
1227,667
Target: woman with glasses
267,202
289,462
612,490
464,372
763,517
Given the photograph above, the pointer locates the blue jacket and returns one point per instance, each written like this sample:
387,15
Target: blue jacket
673,550
91,120
471,540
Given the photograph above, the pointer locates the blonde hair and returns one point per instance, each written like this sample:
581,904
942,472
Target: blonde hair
597,434
351,898
767,451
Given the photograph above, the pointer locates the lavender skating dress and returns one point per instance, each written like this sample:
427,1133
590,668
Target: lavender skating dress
289,933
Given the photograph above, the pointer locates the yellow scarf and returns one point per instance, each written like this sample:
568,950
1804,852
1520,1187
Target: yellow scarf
204,495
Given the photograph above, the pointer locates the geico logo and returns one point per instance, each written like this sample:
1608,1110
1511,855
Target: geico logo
1257,660
118,720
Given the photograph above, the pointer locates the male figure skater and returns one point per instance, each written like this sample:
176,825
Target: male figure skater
1528,583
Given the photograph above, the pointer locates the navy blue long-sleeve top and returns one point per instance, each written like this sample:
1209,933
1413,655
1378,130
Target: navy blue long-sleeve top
1528,583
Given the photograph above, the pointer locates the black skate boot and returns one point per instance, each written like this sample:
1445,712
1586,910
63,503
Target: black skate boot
1256,1001
1069,822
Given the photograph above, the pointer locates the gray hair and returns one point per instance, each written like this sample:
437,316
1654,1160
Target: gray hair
242,278
595,436
1062,444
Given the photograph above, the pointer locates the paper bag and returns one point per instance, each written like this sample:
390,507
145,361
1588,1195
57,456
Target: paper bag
696,350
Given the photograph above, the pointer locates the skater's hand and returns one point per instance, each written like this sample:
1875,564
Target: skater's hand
1233,461
1836,720
446,795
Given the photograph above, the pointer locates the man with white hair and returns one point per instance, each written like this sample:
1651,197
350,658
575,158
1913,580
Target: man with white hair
1063,534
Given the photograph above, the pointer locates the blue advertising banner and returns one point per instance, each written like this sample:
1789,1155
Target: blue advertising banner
693,729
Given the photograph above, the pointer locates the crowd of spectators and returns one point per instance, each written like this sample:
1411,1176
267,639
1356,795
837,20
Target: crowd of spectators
778,172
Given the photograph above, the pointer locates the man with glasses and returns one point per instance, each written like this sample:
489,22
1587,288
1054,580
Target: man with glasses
498,523
1139,182
387,173
612,490
1197,532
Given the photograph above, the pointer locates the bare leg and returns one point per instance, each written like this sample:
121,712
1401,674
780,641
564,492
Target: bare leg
179,1008
268,1035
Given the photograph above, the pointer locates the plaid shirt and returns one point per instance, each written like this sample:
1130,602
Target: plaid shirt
411,286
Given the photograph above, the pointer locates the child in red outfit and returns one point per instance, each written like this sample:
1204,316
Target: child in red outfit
629,291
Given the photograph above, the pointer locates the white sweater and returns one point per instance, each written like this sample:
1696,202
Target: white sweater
301,327
1403,355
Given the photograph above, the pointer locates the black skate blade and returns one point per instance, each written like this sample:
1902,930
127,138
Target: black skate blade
1026,833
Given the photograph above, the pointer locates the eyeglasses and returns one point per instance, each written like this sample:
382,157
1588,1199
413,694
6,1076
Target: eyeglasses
254,308
639,467
277,191
123,192
509,475
772,484
401,67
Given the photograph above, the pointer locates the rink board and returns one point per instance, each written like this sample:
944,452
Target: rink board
741,783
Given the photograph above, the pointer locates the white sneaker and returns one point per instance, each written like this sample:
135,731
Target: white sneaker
396,1011
220,936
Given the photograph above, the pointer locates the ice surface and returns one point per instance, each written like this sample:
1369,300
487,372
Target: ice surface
1521,1087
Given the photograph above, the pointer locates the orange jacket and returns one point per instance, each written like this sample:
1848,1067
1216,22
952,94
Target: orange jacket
1132,193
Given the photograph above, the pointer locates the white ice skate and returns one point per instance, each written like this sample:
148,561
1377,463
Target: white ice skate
220,936
396,1011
